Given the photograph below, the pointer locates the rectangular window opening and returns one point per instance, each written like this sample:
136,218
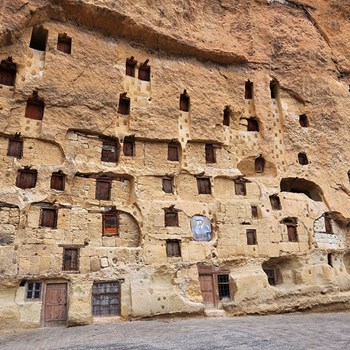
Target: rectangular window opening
303,121
48,217
35,107
252,124
227,113
145,72
26,178
185,102
109,152
70,259
171,218
167,185
64,43
210,153
248,95
254,210
58,181
275,202
8,70
173,152
103,189
204,186
251,237
15,148
33,291
130,66
240,188
328,224
129,147
292,233
173,248
39,38
124,104
224,286
106,298
302,158
110,224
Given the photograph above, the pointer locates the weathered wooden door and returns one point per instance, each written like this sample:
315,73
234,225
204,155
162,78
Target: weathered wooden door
207,288
55,308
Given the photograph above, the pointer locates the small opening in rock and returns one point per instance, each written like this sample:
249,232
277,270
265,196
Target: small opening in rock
39,38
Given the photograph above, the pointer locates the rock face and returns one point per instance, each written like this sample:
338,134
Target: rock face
169,158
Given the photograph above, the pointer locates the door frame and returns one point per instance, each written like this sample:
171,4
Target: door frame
204,269
45,283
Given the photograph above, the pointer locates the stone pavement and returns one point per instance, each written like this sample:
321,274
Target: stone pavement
288,331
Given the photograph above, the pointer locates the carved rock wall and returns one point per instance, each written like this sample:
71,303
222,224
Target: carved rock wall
290,257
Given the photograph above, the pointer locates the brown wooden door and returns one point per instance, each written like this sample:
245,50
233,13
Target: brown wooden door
207,288
55,309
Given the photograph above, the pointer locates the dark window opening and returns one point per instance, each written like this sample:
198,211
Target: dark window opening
124,104
48,217
328,224
26,178
64,43
130,66
110,151
248,95
33,290
302,158
106,298
224,286
303,120
204,186
8,70
185,102
254,210
145,71
110,224
291,224
240,187
330,260
259,164
70,259
168,185
171,217
103,189
271,276
173,247
15,147
251,237
275,202
274,88
39,38
292,233
252,124
129,146
35,107
227,113
349,175
210,153
58,181
173,151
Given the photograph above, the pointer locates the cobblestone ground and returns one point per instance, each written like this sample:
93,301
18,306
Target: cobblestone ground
289,331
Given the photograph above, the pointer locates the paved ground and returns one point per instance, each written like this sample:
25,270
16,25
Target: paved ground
289,331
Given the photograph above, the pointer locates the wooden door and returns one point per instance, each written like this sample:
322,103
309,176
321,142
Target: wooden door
55,308
207,288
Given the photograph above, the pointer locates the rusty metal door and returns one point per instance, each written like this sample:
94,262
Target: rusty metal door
207,288
55,308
